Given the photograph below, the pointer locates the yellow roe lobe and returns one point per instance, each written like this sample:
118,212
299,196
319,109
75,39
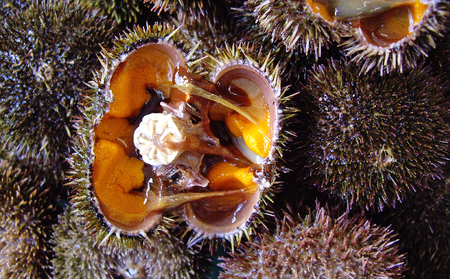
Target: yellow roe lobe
117,130
130,78
226,176
115,176
149,67
256,137
320,9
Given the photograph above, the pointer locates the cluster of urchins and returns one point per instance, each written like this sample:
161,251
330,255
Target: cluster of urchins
173,137
169,132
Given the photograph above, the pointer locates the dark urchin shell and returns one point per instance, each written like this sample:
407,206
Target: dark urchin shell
422,224
215,10
440,56
78,257
27,213
374,138
319,247
295,24
210,32
125,12
43,47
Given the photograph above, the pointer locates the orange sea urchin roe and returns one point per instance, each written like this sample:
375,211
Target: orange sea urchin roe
129,87
115,176
226,176
256,137
320,9
149,67
117,130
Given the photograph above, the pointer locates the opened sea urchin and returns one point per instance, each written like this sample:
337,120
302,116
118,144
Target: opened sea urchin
296,23
392,35
156,137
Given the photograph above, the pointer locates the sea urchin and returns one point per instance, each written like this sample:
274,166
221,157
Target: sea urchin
376,138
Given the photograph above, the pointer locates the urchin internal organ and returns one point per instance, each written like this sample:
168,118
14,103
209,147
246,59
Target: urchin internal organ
376,138
171,138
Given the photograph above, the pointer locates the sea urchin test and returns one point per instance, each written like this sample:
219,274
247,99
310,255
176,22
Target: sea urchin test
171,139
382,22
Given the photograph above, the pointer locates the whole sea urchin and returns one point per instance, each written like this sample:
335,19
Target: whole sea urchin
124,12
155,137
196,9
318,247
296,24
27,213
78,257
44,45
376,138
424,219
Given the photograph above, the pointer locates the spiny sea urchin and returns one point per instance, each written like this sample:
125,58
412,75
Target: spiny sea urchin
440,56
77,256
210,33
155,137
318,247
27,213
395,38
375,138
296,23
422,224
44,45
197,9
126,13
